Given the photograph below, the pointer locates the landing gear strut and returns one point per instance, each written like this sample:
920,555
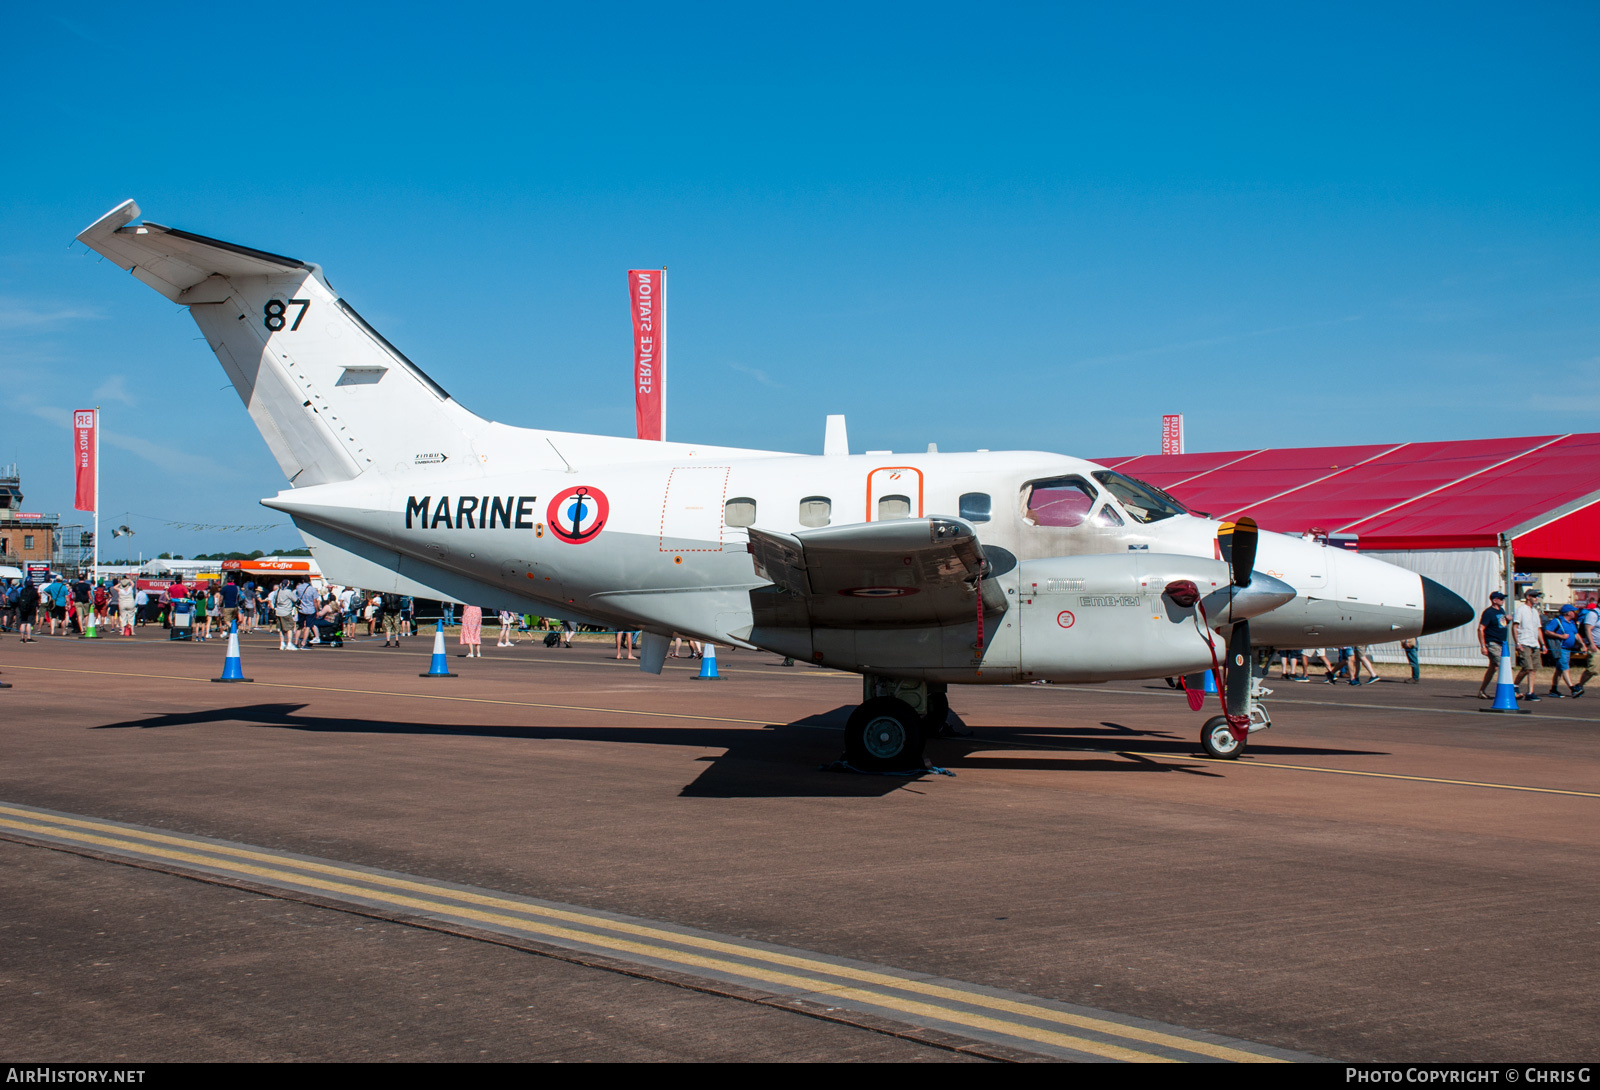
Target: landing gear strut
1218,741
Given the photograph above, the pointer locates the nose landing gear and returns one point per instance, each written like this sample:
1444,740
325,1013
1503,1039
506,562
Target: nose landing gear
1217,739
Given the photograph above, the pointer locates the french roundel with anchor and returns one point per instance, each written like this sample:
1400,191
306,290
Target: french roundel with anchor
578,514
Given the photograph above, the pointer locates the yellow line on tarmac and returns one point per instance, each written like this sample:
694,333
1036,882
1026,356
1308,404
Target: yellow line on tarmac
1397,776
66,828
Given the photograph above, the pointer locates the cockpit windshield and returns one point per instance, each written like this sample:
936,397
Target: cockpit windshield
1144,502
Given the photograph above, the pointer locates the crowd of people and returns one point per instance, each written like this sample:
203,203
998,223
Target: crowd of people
1531,635
1296,664
1535,637
302,612
305,613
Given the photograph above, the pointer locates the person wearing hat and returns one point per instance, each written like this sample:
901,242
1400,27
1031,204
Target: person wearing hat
1588,631
1492,625
1561,635
1530,639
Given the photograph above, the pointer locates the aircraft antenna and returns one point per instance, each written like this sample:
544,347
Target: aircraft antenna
561,456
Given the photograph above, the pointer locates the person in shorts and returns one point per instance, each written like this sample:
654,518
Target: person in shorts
1492,632
228,615
57,593
307,605
202,614
28,599
1530,639
1561,637
285,608
1358,659
389,616
1588,622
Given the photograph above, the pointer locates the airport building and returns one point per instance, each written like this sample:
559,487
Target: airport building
1453,511
24,535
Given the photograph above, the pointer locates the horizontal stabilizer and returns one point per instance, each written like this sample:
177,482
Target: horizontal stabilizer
332,398
173,261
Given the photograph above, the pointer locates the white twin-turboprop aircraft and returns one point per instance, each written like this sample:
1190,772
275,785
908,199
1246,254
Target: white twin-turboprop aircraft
917,571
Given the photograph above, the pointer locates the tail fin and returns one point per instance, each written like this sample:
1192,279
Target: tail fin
332,398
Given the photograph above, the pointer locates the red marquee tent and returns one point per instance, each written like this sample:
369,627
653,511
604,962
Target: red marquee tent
1542,490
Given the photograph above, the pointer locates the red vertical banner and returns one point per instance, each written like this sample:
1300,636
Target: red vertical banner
1172,434
647,294
84,422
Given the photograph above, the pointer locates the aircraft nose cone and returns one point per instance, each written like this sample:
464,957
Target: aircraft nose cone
1442,608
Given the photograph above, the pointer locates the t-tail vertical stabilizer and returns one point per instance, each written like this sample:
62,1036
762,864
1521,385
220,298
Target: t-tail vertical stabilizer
332,398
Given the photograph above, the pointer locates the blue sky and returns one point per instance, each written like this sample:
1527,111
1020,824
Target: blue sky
1031,227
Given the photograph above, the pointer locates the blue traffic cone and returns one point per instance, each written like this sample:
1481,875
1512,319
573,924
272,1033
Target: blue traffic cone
439,667
232,668
1211,681
1505,690
708,665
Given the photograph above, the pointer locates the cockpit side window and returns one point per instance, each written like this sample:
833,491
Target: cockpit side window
1144,502
1058,501
1107,516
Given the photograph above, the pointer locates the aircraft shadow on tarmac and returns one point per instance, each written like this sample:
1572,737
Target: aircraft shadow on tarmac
786,759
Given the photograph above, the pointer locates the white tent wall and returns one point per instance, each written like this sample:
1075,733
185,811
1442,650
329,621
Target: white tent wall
1472,573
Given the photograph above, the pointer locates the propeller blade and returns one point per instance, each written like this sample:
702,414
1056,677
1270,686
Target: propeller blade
1238,672
1237,542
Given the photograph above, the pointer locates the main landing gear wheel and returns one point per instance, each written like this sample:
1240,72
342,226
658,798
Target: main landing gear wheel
1218,739
884,734
936,724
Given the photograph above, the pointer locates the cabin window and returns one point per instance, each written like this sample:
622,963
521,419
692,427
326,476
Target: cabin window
893,507
740,512
1059,501
975,506
816,511
1107,516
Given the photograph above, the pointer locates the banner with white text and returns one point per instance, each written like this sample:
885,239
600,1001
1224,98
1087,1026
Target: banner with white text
83,448
1172,434
647,295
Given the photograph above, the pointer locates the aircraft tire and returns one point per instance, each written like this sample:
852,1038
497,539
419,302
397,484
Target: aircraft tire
884,734
936,724
1218,741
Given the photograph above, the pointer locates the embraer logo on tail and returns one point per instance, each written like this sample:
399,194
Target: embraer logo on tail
470,512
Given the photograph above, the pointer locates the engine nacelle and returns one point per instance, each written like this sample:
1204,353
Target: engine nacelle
1109,616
